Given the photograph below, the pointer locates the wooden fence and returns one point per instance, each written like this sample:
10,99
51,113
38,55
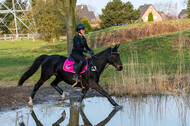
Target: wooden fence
23,36
19,37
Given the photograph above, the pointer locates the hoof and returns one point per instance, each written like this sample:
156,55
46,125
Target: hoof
63,96
30,103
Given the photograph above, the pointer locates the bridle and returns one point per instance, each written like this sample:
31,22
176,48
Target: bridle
112,53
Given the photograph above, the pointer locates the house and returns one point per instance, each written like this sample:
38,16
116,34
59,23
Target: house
145,10
83,11
163,15
183,14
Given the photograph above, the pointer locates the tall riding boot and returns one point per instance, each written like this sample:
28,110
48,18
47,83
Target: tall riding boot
77,71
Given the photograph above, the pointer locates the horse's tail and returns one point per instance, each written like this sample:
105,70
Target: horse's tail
33,68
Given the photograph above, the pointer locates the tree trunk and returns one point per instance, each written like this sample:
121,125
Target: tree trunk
67,9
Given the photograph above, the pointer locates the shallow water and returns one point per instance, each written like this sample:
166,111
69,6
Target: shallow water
137,111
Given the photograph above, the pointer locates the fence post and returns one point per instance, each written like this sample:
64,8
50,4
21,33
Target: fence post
28,36
34,39
13,40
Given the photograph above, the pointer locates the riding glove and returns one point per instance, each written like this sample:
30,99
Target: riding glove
91,52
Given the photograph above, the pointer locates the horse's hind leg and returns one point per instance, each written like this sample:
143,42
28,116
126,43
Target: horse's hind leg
57,88
37,86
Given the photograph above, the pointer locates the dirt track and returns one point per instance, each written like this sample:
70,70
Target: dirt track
16,97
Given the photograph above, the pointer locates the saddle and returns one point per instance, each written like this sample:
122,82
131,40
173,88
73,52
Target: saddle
69,65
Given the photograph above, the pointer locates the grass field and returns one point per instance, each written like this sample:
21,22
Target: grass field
16,57
158,64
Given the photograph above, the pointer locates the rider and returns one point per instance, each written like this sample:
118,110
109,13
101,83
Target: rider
79,42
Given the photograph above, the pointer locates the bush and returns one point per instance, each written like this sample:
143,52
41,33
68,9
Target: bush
96,28
150,17
87,25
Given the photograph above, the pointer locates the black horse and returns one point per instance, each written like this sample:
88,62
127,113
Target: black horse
53,65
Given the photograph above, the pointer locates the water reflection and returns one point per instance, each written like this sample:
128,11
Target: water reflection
157,110
74,118
57,123
74,114
38,123
137,111
102,123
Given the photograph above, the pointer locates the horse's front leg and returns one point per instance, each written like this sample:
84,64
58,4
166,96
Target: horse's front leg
98,88
84,91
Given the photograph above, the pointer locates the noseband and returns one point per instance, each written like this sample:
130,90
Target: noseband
119,65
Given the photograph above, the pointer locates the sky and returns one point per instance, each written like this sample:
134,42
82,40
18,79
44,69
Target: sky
98,5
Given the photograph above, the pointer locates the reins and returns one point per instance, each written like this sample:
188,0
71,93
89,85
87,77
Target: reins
91,62
92,66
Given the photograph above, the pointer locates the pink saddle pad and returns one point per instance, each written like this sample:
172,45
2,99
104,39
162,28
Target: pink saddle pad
68,66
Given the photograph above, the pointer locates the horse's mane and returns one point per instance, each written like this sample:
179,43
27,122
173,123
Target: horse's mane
103,52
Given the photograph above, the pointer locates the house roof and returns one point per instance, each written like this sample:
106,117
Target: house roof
183,12
83,11
163,15
144,8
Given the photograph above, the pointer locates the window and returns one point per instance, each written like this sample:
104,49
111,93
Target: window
155,17
146,18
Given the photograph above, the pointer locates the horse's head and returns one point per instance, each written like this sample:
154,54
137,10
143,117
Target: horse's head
114,58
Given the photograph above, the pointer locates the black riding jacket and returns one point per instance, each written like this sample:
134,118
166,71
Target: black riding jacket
79,43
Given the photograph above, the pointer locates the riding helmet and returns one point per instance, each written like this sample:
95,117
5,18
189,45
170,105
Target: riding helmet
79,27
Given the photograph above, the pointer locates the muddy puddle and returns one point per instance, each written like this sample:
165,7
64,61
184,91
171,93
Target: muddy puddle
137,111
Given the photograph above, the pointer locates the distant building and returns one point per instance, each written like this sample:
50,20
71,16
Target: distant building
183,14
163,15
82,10
145,10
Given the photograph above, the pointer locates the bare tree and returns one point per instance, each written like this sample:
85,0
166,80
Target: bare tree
92,8
184,3
67,8
160,6
169,8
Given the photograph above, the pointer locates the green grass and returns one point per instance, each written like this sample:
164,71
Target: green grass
16,57
158,49
151,65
